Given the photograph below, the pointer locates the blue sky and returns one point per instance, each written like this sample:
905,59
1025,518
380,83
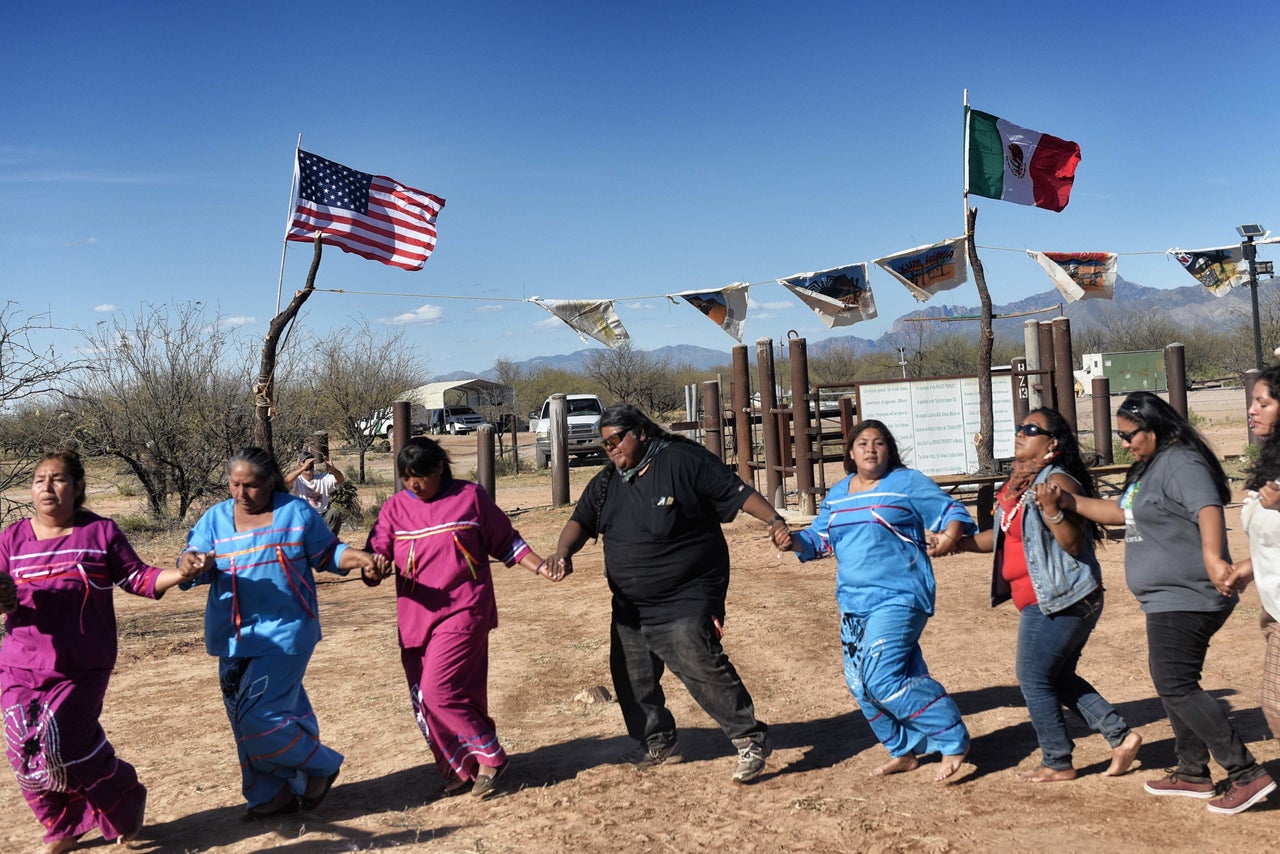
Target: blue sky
607,150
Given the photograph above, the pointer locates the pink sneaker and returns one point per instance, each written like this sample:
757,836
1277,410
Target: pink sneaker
1240,796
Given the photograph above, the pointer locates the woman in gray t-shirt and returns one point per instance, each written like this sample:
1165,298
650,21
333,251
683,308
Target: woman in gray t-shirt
1177,565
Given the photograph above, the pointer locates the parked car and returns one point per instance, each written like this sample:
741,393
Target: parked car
380,423
455,420
582,413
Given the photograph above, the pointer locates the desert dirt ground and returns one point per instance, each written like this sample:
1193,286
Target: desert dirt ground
564,793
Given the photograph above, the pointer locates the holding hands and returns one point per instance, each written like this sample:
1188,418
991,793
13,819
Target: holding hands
780,533
378,568
556,566
1269,495
1048,497
192,564
941,543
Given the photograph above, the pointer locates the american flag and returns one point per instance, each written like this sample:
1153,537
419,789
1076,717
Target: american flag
372,216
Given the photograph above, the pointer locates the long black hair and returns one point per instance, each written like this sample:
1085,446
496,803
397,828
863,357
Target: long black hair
1067,456
1150,412
631,419
263,464
1267,468
895,458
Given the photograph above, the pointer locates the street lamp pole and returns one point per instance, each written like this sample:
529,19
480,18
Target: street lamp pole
1250,250
1251,255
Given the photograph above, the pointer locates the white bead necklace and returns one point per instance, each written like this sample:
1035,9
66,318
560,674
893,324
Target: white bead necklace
1006,521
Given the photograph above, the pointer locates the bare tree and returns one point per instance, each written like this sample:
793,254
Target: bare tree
168,398
359,371
634,376
265,387
517,377
33,378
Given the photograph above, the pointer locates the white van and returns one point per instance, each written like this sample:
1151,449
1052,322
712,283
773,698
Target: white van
583,413
455,420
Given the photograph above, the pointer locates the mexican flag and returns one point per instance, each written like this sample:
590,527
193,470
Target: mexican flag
1018,165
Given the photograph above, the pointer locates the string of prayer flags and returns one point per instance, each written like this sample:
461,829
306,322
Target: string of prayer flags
927,270
1219,269
589,318
840,296
727,307
1080,275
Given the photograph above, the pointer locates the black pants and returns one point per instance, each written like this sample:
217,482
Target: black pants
1177,642
638,655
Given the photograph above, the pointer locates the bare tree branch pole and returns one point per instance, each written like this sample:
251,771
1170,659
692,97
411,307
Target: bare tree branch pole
984,441
264,389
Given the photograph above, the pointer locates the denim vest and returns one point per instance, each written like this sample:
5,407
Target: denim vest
1058,578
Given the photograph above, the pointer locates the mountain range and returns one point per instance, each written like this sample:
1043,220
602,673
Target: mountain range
1188,306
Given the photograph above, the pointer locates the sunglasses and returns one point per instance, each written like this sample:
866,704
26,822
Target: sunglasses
613,441
1128,437
1032,430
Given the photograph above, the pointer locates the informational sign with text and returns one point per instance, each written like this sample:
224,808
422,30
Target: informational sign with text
935,420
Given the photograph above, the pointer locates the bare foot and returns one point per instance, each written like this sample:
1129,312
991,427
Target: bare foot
897,765
1122,757
58,846
950,765
1045,774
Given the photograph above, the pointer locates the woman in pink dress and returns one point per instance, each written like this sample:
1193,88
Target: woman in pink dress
437,535
57,572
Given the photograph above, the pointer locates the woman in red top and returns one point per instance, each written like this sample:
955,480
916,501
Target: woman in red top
1048,567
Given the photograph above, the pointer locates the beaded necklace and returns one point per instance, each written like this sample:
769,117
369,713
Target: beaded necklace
1006,521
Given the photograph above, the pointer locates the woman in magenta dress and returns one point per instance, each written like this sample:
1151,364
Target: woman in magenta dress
440,533
57,573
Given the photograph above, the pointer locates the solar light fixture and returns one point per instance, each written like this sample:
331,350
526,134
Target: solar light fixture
1249,232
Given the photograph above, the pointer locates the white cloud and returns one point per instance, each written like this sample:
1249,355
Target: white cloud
489,307
768,306
105,308
239,320
425,314
86,242
549,323
641,306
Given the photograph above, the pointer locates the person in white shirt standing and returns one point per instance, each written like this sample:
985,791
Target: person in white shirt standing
316,489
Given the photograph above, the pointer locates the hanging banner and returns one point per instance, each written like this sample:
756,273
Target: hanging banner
1219,269
840,296
1080,275
594,318
726,307
927,270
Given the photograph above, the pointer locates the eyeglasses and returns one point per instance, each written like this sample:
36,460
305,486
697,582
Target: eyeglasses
1032,430
1128,437
613,441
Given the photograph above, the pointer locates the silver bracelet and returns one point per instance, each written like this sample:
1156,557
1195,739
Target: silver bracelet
1054,520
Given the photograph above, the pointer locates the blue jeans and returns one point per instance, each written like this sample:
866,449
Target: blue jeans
639,655
1177,642
1049,647
907,709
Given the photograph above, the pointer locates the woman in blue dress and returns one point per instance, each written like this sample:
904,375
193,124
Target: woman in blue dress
877,524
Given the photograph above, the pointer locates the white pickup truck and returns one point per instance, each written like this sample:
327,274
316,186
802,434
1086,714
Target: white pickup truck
582,413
